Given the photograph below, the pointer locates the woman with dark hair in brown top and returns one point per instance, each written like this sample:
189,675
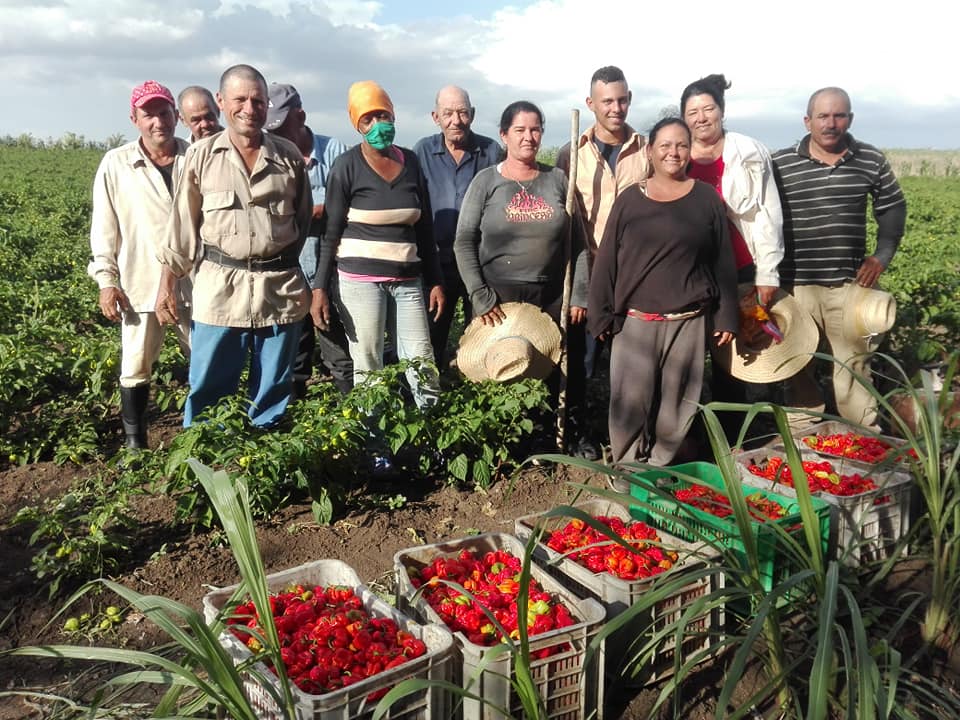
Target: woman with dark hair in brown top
663,280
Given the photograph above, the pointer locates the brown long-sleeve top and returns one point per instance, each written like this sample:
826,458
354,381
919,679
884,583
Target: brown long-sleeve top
664,257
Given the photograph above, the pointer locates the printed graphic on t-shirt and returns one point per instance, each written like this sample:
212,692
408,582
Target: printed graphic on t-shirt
524,207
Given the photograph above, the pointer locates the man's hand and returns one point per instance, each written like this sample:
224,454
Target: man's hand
317,211
320,309
438,301
869,271
494,317
723,337
113,302
765,294
166,304
578,314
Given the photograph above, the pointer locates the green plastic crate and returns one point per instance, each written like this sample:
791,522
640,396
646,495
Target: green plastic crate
698,524
666,477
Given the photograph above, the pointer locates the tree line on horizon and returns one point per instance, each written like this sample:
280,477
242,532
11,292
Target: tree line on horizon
904,161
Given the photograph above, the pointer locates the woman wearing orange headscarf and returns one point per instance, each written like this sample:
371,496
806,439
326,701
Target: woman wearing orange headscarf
380,237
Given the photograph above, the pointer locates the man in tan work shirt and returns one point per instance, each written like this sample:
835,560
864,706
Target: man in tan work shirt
132,199
241,217
611,156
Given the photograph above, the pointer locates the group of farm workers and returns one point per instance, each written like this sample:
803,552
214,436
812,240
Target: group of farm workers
264,241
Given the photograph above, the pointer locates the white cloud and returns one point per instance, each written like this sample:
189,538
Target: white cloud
887,55
352,12
69,64
885,50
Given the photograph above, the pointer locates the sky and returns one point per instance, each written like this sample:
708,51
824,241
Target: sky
69,65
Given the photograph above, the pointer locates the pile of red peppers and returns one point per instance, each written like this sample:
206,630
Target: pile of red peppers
328,640
598,553
821,477
493,579
709,500
853,446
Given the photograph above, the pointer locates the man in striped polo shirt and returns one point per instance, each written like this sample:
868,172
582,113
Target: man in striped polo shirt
824,183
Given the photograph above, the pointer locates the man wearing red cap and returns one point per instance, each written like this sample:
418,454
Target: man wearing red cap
132,200
240,220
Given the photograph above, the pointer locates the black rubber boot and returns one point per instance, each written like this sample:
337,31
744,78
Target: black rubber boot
133,408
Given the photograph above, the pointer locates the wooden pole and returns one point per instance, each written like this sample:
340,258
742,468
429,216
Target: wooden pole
567,278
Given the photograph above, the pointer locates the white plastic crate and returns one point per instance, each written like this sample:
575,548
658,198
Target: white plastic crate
569,690
350,703
617,595
863,527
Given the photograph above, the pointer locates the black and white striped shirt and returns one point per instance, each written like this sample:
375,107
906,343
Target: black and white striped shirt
824,212
377,228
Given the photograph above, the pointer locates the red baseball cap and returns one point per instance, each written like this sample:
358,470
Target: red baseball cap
150,90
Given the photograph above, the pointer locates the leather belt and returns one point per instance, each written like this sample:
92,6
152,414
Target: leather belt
283,261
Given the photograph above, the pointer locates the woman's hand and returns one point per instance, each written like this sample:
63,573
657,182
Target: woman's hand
438,301
578,314
494,317
723,337
320,309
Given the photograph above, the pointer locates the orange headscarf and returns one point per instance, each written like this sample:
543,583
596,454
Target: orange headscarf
366,96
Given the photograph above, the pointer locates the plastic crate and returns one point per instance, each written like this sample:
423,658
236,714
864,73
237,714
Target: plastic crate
835,427
864,527
570,690
690,523
432,703
617,595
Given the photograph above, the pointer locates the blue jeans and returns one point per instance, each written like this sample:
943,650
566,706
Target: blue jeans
454,289
365,307
308,259
217,359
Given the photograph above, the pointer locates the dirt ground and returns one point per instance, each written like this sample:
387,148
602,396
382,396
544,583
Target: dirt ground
185,567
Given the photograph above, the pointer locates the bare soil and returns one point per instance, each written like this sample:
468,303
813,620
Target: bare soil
184,567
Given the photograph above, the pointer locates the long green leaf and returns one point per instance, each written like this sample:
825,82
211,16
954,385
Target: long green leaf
820,671
233,508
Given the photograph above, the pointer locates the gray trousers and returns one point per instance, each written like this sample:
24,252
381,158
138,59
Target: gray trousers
656,373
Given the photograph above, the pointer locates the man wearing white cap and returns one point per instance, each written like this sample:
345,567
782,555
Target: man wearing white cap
825,181
286,118
132,200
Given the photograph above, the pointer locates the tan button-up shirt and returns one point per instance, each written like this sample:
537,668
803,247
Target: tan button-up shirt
131,209
255,215
597,186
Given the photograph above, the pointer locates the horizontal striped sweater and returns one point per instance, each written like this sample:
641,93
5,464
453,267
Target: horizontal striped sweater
824,212
377,228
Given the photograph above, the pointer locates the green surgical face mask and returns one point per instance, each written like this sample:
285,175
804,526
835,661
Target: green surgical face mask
381,135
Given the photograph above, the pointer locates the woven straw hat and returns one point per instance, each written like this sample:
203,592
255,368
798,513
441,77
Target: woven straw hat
525,344
867,311
762,360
